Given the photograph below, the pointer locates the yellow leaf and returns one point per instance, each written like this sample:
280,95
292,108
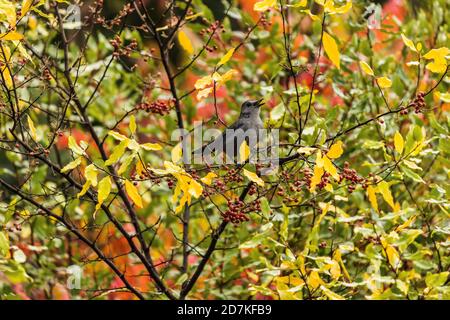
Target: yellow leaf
335,269
203,82
330,168
366,68
132,125
8,9
185,42
117,153
384,82
335,151
195,188
338,257
84,190
439,56
72,165
204,93
117,135
140,168
393,256
406,224
216,77
316,178
208,178
226,57
330,294
330,7
26,6
383,188
12,35
244,152
306,151
310,14
331,49
314,280
177,153
371,194
300,4
264,5
104,189
319,160
74,147
399,142
408,43
227,76
254,177
151,146
32,128
90,173
133,193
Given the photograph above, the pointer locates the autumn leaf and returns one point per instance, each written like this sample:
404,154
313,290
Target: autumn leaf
203,82
383,188
185,42
254,177
117,135
408,43
316,178
244,152
226,57
208,178
72,165
439,57
26,6
151,146
132,125
330,168
133,193
371,194
104,189
384,82
177,153
335,151
331,49
90,173
10,36
264,5
118,152
32,128
398,142
366,68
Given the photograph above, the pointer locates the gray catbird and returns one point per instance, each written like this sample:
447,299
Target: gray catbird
247,127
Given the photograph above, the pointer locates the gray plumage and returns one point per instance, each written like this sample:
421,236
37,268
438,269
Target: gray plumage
247,127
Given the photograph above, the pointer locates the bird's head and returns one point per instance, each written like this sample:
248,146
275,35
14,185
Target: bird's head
251,105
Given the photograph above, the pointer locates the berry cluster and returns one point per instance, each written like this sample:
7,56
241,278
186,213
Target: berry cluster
265,22
46,74
161,107
120,50
238,211
233,176
117,21
418,104
213,27
352,177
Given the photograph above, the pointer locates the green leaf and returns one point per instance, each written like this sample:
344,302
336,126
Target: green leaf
118,152
4,245
436,280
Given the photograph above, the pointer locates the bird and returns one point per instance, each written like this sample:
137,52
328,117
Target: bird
246,128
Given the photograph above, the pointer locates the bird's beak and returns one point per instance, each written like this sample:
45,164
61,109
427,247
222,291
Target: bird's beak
260,103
